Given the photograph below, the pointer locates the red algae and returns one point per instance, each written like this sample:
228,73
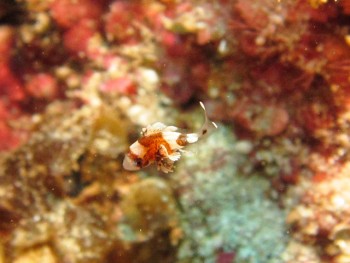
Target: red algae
263,120
118,26
225,257
42,86
120,85
67,13
346,7
7,38
76,39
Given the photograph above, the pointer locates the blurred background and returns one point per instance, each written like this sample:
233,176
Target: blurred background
79,79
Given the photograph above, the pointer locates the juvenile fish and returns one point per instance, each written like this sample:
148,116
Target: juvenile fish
162,145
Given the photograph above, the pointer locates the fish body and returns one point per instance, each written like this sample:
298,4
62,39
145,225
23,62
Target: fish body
162,145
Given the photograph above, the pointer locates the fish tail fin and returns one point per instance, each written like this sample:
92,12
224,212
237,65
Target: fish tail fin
208,125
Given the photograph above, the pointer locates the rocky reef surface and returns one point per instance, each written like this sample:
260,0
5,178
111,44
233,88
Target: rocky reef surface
80,78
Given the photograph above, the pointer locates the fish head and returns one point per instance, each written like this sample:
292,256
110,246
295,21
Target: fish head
131,164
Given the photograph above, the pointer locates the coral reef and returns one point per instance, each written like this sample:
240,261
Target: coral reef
223,211
148,208
38,176
80,78
321,217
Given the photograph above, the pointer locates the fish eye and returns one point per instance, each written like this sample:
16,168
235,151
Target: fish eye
138,162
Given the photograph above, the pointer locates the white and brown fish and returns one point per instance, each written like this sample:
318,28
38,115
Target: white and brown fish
162,145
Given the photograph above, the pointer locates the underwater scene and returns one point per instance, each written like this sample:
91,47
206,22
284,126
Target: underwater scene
174,131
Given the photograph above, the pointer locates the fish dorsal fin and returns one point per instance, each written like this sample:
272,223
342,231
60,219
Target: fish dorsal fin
170,128
153,128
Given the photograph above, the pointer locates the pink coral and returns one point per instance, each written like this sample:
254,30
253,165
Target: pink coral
123,85
10,85
77,38
67,13
118,26
8,138
263,120
6,43
42,86
346,7
225,257
11,91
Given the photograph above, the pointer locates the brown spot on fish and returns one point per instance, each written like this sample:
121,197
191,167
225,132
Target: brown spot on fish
182,140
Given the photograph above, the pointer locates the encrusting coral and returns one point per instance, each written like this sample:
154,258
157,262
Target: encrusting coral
148,209
38,176
224,212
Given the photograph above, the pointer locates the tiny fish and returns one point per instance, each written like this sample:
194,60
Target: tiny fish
162,145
